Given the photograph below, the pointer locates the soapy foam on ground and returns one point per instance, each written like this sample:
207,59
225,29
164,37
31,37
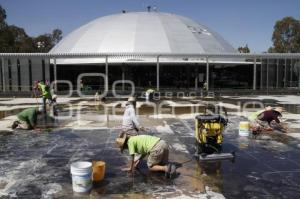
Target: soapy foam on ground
12,177
23,101
282,99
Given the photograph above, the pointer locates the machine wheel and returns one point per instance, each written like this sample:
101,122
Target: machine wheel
213,146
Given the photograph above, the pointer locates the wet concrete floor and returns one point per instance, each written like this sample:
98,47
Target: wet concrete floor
256,103
37,165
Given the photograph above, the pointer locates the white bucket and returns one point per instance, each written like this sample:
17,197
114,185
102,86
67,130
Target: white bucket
81,176
244,129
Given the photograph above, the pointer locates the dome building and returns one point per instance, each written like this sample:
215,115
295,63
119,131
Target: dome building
148,33
143,32
156,50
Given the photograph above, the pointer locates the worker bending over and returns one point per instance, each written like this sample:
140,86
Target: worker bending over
156,149
267,119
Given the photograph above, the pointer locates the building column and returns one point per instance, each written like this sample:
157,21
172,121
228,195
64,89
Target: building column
55,74
196,77
298,73
277,74
261,74
207,73
43,70
285,77
188,73
267,75
123,78
254,74
106,73
3,75
291,73
157,74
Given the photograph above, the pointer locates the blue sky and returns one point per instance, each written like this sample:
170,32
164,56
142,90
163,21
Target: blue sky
240,22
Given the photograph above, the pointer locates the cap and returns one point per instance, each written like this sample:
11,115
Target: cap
279,109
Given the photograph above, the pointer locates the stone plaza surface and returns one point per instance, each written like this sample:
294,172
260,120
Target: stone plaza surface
36,164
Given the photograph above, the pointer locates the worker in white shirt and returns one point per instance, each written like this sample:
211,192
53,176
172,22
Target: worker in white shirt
130,124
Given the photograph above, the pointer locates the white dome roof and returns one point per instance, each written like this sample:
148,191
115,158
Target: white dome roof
143,32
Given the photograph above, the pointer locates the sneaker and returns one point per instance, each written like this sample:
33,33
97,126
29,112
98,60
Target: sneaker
15,124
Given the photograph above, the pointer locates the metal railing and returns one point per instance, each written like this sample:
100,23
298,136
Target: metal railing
182,55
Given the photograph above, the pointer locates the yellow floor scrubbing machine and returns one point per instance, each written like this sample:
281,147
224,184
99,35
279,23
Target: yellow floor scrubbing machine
209,137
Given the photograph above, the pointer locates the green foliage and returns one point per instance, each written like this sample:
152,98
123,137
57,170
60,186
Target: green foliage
56,36
2,18
244,49
286,36
14,39
43,43
271,50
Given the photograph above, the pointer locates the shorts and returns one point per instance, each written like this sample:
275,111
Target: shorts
129,132
159,154
260,124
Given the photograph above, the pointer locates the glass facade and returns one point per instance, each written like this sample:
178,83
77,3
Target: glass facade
263,74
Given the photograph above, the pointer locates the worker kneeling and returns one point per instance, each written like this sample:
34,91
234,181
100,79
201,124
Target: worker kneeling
27,119
156,149
267,119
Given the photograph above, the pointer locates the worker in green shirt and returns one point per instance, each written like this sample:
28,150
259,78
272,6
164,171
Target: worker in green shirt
156,149
27,119
45,93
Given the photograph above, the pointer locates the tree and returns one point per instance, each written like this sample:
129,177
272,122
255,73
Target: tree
6,41
5,38
56,36
14,39
43,43
19,36
27,46
2,18
286,36
271,50
244,49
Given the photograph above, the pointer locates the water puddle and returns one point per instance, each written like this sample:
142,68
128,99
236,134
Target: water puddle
291,108
4,114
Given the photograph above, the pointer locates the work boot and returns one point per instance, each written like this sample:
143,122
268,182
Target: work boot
15,124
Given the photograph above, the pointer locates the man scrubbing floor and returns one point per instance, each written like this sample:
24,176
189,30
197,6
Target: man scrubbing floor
27,119
156,149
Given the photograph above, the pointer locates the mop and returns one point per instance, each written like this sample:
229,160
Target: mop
37,102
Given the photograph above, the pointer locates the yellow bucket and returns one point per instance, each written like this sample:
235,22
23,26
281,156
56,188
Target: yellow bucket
244,125
244,128
98,170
